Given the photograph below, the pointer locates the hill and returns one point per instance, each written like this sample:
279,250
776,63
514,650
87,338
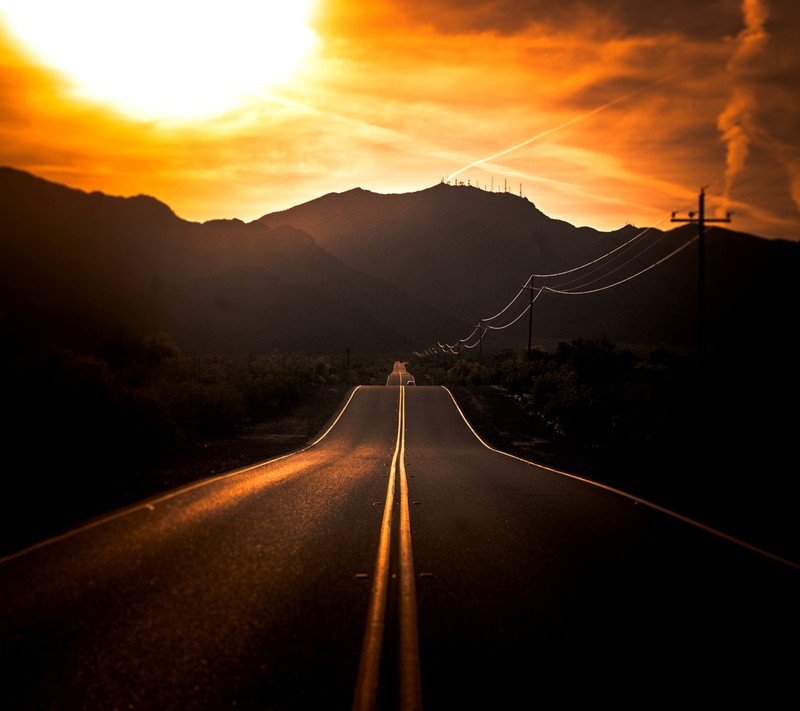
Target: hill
376,273
81,264
469,251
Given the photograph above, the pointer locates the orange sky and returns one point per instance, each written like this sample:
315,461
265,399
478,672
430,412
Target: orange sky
603,117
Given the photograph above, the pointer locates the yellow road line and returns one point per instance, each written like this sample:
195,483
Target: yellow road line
368,680
410,676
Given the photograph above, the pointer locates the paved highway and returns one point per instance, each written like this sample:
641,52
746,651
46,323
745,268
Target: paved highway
396,563
400,376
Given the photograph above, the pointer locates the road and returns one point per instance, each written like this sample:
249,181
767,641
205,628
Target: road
396,563
400,376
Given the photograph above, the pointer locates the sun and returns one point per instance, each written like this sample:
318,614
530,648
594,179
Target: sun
165,59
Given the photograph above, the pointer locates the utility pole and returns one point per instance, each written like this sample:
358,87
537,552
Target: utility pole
701,220
530,316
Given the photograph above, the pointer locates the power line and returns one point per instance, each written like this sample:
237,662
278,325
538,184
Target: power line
455,348
628,278
510,303
594,261
539,290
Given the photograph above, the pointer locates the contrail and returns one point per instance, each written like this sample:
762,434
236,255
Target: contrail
736,122
564,125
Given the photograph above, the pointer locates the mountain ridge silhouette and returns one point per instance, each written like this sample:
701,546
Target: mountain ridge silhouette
470,250
374,272
86,261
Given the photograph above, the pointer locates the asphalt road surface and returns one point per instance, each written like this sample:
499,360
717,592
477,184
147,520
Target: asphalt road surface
396,563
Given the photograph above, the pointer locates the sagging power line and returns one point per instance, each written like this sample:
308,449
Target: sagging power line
535,292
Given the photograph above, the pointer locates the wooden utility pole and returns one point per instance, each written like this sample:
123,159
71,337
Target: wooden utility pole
530,317
701,220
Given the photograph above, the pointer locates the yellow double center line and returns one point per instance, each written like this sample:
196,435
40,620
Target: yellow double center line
368,680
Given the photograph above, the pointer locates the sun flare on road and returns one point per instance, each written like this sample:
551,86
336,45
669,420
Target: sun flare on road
164,59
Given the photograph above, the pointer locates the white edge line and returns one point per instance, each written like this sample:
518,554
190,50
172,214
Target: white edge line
160,498
633,498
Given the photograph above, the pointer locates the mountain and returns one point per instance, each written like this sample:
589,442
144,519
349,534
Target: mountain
469,251
377,273
88,263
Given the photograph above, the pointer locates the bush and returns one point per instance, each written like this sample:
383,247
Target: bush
589,393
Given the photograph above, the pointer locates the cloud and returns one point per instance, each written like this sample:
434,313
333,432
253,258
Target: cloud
569,98
566,124
618,17
736,122
759,122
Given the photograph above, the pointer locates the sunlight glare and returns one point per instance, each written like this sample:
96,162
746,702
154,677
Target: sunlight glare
169,59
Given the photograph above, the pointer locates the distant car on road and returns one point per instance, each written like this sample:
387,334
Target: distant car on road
410,382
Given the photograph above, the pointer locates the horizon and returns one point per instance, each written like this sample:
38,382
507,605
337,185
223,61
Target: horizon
600,117
455,184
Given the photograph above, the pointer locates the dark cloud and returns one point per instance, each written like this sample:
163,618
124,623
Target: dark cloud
699,19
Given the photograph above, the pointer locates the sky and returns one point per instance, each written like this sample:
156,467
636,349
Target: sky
601,112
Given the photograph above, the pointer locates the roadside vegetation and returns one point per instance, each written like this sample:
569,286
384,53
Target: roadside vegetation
94,425
713,443
588,401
